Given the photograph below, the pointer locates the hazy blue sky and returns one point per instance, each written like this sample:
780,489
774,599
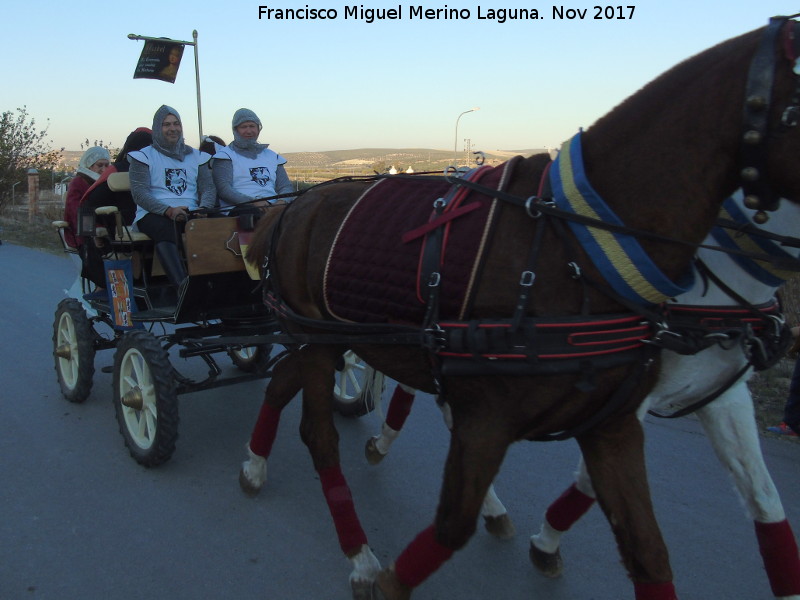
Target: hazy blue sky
346,83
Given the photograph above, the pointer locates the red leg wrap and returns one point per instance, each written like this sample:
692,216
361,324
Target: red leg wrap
568,508
340,503
781,559
421,558
399,407
265,430
655,591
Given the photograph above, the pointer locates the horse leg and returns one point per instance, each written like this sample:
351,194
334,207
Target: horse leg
733,433
563,513
283,386
397,413
560,516
495,515
475,455
614,456
318,432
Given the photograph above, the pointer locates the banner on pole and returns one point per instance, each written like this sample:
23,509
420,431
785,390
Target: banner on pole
159,60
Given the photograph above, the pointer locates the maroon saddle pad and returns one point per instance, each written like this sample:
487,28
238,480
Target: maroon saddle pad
372,273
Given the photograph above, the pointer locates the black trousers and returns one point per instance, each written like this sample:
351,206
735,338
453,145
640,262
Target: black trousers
161,229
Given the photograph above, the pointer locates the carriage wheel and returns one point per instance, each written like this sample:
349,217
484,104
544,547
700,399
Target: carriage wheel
355,386
73,350
145,398
251,359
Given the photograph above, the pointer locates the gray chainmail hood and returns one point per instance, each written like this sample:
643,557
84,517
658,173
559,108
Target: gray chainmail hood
248,148
177,150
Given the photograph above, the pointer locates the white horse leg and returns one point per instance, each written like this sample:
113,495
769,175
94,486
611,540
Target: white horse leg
366,567
563,513
397,413
560,516
731,428
253,475
495,516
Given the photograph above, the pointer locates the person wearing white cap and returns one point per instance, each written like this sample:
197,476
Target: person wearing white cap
246,170
91,165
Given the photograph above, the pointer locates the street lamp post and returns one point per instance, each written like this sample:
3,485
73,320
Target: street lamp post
455,142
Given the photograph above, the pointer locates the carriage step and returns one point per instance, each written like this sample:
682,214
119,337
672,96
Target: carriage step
155,314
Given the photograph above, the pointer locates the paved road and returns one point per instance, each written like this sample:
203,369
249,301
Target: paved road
81,520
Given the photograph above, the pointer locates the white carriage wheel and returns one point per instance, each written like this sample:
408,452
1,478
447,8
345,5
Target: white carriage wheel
145,398
356,386
73,350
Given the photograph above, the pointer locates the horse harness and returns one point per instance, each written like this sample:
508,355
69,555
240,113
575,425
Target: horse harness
524,345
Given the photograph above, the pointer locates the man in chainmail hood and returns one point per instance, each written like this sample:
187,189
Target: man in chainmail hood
168,179
246,170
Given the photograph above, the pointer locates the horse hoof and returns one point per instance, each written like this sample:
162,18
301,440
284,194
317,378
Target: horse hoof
388,587
247,487
549,564
371,452
500,527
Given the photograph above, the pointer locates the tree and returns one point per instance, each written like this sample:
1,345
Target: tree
22,147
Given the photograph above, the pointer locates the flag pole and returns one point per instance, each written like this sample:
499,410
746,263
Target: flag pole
197,80
133,36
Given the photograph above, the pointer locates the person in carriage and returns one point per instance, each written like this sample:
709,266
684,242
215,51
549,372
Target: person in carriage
169,179
100,194
92,163
247,170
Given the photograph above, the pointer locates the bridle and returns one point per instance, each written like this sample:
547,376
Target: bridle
759,195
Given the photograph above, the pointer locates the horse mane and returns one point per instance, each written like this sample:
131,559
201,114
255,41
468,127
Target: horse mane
689,79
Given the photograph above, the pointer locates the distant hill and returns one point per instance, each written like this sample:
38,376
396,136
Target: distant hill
400,158
364,158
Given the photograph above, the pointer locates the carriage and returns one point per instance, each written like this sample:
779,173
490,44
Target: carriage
218,311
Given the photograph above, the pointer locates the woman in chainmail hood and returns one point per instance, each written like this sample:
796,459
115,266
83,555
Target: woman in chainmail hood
168,179
246,171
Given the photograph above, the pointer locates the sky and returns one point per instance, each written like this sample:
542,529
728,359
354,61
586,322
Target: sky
344,83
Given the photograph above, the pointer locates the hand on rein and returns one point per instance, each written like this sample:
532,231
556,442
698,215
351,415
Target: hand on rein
177,213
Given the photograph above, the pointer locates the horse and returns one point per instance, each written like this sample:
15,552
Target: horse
662,161
711,384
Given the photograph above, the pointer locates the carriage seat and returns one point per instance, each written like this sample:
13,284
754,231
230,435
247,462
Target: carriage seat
60,226
119,182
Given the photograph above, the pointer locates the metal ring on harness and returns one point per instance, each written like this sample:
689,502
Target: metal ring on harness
480,158
451,174
533,213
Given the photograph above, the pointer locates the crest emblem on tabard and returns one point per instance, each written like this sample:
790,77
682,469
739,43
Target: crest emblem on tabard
260,175
175,180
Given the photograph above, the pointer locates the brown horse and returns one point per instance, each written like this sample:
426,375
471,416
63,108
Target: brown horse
663,161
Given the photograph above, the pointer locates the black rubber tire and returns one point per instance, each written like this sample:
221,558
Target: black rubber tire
352,391
73,350
151,430
251,359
